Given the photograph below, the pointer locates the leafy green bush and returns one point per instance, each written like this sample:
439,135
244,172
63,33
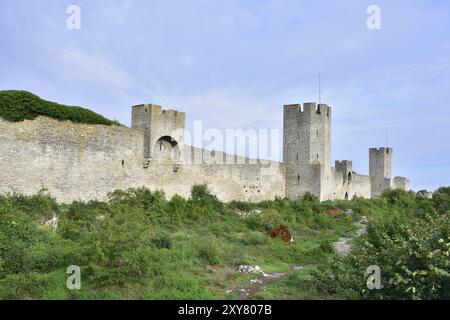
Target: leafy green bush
411,248
18,105
208,253
40,205
399,197
23,286
441,200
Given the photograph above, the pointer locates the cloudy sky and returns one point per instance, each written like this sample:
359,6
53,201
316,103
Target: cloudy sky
234,63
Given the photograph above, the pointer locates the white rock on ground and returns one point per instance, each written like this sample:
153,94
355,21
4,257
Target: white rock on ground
249,269
52,223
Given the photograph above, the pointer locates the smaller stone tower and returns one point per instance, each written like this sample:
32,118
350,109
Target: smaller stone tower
345,168
164,131
380,170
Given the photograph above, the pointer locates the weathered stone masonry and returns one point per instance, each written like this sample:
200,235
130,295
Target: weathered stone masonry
84,162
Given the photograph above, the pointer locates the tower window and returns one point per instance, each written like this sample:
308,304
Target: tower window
298,176
317,133
297,157
123,163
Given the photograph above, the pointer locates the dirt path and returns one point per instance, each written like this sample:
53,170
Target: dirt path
343,245
260,284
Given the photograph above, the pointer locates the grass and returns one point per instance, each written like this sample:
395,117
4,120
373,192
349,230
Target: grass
141,249
16,105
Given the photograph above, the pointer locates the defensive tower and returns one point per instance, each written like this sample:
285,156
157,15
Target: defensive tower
380,170
164,132
307,149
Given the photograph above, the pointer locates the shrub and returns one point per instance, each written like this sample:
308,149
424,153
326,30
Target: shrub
254,238
23,286
309,197
281,232
399,197
162,241
412,253
208,253
41,206
441,200
177,208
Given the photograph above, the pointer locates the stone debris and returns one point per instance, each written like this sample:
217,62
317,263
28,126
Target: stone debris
343,246
246,214
249,269
52,223
253,281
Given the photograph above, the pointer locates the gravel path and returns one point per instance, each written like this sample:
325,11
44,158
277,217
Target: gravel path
343,245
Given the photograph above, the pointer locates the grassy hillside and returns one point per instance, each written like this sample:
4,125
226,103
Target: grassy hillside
18,105
139,245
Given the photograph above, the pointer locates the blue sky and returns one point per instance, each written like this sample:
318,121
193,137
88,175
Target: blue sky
233,64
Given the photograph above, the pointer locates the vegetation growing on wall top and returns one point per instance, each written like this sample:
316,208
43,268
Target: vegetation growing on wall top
17,105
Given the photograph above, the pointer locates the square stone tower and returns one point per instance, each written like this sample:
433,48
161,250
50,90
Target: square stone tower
307,150
380,170
164,131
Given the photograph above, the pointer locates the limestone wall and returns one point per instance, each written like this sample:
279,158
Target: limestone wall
358,185
77,161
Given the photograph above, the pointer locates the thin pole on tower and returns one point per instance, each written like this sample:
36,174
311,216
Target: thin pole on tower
320,91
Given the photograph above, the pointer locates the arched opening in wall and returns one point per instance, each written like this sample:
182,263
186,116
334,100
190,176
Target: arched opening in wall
349,177
346,196
166,150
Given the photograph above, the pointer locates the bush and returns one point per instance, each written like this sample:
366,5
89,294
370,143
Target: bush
41,205
162,241
412,252
441,200
208,253
23,286
399,197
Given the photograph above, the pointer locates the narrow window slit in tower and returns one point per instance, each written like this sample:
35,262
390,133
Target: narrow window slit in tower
123,163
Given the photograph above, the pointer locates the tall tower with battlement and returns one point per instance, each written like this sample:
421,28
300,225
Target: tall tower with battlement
164,131
307,149
380,170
